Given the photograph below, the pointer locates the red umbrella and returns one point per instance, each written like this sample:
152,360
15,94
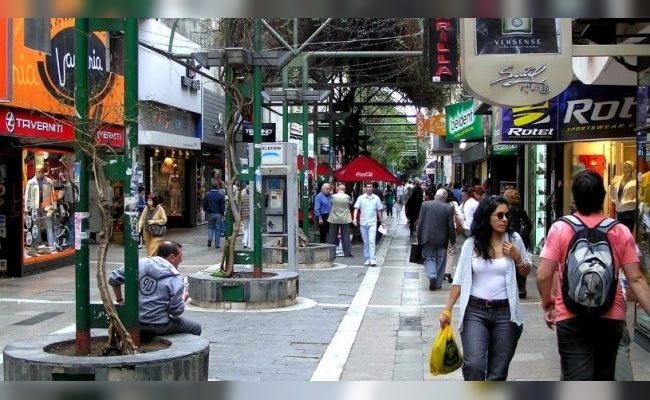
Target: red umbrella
363,169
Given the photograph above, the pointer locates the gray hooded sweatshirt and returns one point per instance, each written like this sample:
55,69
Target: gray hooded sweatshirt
161,289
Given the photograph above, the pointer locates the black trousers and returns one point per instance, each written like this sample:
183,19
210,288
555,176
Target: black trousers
324,228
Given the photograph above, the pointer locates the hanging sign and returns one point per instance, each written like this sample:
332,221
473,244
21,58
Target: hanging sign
516,61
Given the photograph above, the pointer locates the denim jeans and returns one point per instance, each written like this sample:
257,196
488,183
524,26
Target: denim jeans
368,235
435,260
214,228
588,347
174,326
489,343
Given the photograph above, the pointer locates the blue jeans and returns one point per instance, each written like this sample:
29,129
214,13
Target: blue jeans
214,228
368,235
489,343
588,347
435,261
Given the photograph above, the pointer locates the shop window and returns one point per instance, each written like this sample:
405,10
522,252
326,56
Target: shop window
48,203
168,180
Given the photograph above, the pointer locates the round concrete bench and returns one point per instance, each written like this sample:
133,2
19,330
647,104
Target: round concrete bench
186,359
312,256
274,289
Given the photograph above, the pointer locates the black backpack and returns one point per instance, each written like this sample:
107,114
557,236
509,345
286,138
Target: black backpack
589,279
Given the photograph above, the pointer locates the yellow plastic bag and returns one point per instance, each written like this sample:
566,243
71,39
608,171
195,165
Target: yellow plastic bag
446,356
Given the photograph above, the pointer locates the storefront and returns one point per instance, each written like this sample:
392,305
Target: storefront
38,176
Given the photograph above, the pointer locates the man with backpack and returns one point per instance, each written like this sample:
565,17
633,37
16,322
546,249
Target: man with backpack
578,285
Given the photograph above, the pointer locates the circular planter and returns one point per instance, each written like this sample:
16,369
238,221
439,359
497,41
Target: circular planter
186,359
275,289
312,256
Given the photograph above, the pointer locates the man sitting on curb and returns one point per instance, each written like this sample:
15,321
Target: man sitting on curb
162,293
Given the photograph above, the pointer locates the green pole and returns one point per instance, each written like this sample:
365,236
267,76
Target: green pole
257,152
82,259
305,151
131,315
285,106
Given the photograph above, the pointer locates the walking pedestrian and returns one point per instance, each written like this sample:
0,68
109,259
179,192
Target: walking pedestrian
214,205
245,214
413,204
389,200
588,343
322,208
435,231
474,194
490,313
142,203
153,214
519,222
367,211
458,224
340,219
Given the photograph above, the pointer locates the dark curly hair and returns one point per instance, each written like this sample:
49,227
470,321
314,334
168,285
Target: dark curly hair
481,228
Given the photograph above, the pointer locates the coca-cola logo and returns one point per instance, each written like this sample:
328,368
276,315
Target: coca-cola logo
364,174
57,69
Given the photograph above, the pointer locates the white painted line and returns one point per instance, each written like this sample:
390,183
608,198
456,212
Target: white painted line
331,364
36,301
68,329
302,303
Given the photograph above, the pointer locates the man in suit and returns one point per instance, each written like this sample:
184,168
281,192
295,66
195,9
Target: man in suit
435,230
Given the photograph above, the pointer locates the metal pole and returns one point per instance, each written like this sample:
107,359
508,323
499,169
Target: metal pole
305,153
257,151
82,259
131,316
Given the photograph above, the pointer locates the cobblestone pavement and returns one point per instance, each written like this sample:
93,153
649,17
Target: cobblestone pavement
351,323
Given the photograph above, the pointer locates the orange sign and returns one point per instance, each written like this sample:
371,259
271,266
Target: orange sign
5,59
45,83
420,128
437,125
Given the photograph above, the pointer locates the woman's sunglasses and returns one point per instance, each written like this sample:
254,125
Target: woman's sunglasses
502,215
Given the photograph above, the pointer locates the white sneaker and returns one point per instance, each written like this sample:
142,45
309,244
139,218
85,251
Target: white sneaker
367,262
373,263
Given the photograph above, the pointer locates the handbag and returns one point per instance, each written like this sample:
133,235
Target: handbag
156,230
416,254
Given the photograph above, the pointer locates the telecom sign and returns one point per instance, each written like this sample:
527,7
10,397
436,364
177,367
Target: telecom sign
581,112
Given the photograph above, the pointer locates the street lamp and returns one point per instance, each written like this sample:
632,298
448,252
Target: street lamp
295,95
236,56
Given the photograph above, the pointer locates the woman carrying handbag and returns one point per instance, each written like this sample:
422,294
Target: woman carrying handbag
152,224
485,285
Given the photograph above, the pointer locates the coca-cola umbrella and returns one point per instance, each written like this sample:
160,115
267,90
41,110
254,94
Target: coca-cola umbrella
363,169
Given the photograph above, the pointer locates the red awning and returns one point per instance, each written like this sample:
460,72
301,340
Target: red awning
364,169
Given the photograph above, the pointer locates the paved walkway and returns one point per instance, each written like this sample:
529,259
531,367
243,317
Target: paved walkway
351,323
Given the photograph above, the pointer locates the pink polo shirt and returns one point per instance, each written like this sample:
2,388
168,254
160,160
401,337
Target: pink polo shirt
556,247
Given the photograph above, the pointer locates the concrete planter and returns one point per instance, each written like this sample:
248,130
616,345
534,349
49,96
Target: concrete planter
313,256
186,359
275,289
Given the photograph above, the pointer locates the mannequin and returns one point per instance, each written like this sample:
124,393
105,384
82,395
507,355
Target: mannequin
174,187
40,205
622,192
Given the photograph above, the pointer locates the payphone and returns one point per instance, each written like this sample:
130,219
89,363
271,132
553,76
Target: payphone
276,180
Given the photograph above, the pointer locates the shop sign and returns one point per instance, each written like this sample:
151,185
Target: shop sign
462,124
248,132
504,150
443,50
581,112
516,61
5,59
45,82
20,123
